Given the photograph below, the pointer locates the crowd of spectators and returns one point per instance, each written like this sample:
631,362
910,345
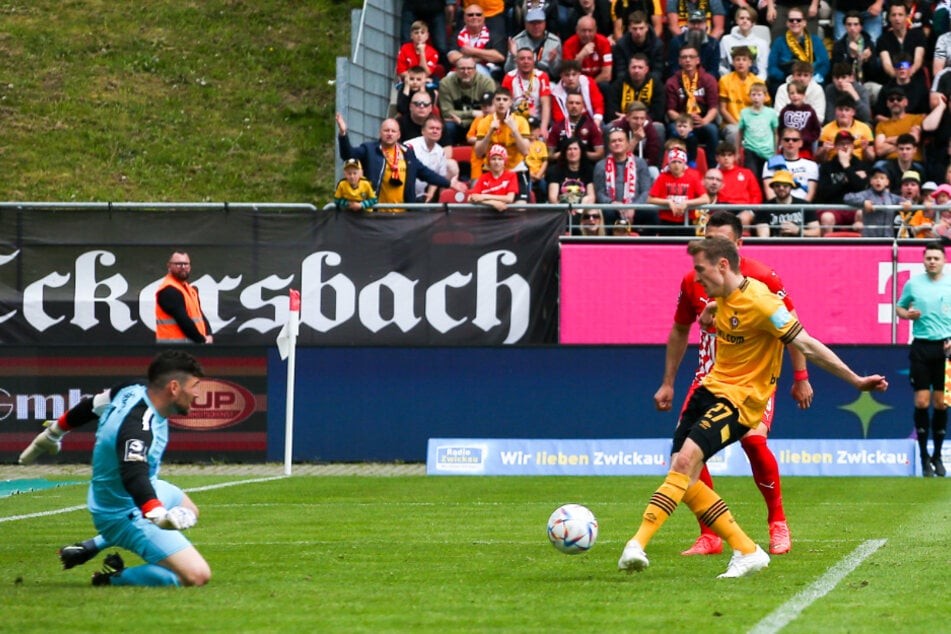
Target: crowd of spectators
677,103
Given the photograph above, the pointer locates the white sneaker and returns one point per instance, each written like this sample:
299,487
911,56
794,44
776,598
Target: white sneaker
633,558
43,443
742,565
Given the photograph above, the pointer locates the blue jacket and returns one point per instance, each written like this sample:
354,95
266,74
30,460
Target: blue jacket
370,155
781,59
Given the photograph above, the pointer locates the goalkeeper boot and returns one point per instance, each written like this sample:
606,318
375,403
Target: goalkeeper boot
45,442
76,555
112,566
938,466
927,470
633,558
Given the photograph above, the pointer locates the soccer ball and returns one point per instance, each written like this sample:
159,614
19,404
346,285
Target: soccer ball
572,529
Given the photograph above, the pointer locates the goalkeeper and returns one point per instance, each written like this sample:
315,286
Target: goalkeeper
130,506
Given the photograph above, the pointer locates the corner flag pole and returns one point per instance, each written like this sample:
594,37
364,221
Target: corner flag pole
287,347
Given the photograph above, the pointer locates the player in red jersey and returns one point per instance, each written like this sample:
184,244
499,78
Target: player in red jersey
692,305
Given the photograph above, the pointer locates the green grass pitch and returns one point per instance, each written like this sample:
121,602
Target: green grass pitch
443,554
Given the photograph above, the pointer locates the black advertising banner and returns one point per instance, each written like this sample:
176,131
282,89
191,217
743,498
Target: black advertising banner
474,277
228,420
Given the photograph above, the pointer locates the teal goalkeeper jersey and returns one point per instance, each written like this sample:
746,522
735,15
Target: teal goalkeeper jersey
933,299
145,437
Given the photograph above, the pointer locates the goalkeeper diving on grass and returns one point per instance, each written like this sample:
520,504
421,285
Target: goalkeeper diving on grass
130,506
753,326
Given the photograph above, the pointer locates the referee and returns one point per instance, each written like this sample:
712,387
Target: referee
926,301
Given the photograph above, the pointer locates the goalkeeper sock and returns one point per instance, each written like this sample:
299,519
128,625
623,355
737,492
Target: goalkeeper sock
707,480
146,575
921,429
766,475
713,511
662,504
939,427
97,543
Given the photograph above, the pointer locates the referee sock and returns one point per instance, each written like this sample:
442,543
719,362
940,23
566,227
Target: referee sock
707,480
939,427
662,504
713,511
766,475
922,423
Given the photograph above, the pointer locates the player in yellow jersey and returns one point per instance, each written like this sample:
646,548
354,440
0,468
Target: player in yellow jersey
753,326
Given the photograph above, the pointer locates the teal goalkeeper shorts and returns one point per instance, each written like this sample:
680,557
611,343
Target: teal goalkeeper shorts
139,535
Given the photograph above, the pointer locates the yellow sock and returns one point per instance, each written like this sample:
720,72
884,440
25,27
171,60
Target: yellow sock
713,511
662,504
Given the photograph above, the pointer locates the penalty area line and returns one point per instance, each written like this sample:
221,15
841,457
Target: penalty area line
70,509
789,611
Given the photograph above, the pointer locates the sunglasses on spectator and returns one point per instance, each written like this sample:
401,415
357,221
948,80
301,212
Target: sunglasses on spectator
790,139
895,98
795,20
473,15
591,216
422,104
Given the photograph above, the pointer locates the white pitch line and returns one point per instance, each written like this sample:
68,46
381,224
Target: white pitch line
70,509
787,612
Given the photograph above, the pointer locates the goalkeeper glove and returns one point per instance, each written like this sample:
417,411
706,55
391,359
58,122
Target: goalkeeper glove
178,517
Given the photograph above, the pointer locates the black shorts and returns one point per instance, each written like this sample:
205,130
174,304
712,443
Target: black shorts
927,364
711,421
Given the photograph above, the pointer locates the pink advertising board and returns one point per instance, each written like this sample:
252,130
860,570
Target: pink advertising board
626,293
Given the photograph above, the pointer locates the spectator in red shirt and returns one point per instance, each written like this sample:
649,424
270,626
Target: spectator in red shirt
498,187
676,189
740,185
591,49
418,52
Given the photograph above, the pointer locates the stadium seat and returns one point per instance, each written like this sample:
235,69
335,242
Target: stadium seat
461,154
449,196
843,234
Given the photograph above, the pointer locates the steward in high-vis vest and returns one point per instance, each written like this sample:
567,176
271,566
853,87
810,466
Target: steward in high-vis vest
178,316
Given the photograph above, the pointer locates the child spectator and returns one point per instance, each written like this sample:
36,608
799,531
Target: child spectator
418,52
912,220
354,192
735,92
683,132
756,132
801,116
416,80
871,219
497,187
815,95
942,196
677,190
537,160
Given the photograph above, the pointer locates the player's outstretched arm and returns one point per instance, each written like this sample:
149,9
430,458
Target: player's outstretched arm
817,352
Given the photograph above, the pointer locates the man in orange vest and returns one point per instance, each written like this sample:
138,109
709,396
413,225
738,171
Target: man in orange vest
178,316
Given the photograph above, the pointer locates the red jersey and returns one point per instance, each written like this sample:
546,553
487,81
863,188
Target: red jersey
592,64
409,57
740,187
693,299
686,187
488,184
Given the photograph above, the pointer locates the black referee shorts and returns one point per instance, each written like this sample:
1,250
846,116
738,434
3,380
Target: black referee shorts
927,364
